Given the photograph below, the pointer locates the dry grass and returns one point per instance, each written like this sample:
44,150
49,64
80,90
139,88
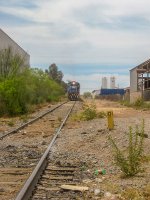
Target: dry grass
137,194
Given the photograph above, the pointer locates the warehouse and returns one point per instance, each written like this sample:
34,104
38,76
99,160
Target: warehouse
6,42
140,82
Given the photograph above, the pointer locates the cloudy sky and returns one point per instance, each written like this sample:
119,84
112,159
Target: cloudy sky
87,39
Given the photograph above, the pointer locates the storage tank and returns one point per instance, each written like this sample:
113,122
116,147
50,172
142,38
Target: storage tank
104,83
112,82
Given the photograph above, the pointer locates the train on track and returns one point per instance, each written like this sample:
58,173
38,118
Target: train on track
73,91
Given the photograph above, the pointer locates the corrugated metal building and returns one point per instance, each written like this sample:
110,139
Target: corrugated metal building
140,82
112,91
6,42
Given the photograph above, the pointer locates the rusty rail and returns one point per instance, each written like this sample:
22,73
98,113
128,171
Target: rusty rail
26,191
31,121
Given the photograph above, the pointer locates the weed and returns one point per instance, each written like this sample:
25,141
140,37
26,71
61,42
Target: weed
83,168
113,188
138,104
87,95
125,103
89,112
24,118
136,194
11,123
130,161
145,159
101,114
59,119
132,194
146,192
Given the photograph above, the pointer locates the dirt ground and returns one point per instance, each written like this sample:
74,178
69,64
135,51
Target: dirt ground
90,149
85,144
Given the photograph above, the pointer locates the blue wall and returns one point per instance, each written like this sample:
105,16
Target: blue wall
112,91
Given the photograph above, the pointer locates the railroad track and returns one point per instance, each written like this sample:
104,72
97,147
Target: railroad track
47,178
20,152
30,122
55,177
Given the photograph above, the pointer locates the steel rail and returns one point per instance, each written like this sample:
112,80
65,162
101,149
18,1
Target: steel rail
30,184
31,121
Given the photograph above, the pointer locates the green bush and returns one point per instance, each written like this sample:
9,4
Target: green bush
130,160
32,86
14,96
89,112
138,103
21,87
125,103
87,95
10,64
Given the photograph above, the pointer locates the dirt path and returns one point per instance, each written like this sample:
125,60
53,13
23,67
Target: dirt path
89,148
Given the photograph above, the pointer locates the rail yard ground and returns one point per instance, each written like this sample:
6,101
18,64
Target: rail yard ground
83,144
89,148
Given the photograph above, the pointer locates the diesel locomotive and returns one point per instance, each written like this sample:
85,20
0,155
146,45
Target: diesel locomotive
73,91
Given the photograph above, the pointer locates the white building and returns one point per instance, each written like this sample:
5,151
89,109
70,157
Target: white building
104,83
112,82
6,42
140,82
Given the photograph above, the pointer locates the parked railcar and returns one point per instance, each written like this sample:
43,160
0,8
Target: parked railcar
73,90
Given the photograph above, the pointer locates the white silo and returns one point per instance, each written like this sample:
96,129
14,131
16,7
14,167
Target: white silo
104,83
112,82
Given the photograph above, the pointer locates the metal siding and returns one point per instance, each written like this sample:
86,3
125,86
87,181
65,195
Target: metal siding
6,42
112,91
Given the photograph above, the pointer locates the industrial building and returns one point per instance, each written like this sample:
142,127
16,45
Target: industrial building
6,42
112,82
104,83
140,82
112,91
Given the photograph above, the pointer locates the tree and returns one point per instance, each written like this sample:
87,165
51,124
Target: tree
59,76
10,64
53,70
54,73
87,95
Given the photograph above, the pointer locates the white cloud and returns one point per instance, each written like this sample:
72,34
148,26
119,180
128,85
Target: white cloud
55,10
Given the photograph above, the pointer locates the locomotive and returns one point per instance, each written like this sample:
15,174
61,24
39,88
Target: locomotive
73,90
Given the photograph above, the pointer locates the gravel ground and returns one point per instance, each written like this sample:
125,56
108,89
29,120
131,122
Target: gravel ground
20,152
10,123
85,144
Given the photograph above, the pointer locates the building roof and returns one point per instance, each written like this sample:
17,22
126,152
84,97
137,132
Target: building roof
145,66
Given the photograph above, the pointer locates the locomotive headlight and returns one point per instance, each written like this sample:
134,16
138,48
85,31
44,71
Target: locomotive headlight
73,83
